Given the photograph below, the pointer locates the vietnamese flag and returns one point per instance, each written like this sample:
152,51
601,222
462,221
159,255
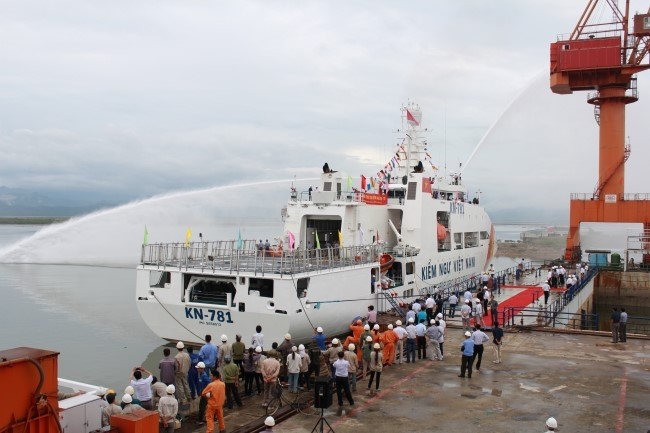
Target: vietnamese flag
363,182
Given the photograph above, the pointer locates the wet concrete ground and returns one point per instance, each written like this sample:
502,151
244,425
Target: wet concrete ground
587,383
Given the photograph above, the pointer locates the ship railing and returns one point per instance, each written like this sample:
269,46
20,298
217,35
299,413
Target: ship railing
628,196
244,256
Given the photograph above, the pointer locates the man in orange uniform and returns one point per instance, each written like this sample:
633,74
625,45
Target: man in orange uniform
390,338
215,392
357,328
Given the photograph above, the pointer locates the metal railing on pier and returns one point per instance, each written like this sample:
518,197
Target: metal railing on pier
234,257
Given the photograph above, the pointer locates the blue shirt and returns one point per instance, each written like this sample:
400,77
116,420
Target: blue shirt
468,347
320,340
194,359
422,316
204,380
208,354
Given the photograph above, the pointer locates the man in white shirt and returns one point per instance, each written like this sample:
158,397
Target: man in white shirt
465,313
479,337
410,341
142,387
547,291
341,367
429,304
453,302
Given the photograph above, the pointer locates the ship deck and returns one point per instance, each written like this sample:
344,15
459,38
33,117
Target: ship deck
226,257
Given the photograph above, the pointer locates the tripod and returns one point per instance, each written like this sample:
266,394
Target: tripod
322,421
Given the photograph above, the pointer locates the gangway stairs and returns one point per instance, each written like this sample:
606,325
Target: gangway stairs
395,301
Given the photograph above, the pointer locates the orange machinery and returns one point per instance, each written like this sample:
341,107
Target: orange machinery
604,58
29,400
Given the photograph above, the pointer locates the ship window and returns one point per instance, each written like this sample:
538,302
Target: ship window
566,47
412,190
327,186
301,287
471,239
261,286
212,292
485,235
159,278
409,268
646,23
458,241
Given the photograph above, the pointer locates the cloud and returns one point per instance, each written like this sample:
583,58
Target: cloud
139,99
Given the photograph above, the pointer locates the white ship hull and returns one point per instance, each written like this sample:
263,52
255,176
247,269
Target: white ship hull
433,234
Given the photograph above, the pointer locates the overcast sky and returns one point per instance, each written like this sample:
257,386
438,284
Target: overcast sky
132,99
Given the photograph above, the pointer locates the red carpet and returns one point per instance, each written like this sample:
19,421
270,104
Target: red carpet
520,301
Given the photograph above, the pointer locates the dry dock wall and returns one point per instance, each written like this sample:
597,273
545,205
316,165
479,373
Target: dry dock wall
629,290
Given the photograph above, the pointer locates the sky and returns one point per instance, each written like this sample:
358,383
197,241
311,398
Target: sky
126,100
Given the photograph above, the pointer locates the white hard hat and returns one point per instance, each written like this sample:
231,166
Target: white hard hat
126,398
224,337
398,323
551,423
258,349
301,347
432,321
101,391
294,349
129,390
468,334
351,347
390,326
467,301
368,338
439,316
287,336
335,341
201,364
319,329
171,389
366,327
376,327
411,320
269,421
377,346
180,345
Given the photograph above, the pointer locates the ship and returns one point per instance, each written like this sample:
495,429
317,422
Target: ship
408,231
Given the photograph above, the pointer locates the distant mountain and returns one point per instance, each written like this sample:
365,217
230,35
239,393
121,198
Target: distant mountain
20,202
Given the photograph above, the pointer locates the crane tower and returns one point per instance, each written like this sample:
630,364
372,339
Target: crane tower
603,58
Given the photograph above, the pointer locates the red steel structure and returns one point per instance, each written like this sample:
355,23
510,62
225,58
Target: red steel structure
603,58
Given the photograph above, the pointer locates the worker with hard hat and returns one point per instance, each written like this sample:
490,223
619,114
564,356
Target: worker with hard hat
168,409
320,338
225,349
356,327
400,333
332,354
411,338
376,366
389,338
551,425
467,350
110,410
285,349
367,349
183,363
351,356
128,405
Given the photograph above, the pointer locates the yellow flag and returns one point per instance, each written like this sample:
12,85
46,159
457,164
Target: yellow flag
188,237
340,238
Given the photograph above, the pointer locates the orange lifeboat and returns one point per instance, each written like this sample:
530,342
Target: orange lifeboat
386,262
442,232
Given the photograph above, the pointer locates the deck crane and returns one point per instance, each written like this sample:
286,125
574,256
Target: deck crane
604,58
